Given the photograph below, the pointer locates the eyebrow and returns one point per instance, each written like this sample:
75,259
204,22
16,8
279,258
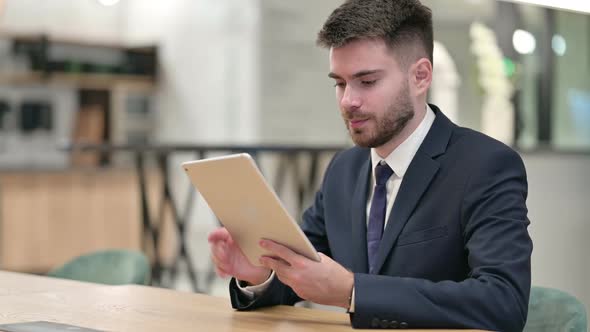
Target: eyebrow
358,74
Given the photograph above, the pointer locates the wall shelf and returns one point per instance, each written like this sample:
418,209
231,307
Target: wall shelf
97,81
101,92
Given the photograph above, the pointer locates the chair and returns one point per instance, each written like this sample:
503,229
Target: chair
111,267
556,311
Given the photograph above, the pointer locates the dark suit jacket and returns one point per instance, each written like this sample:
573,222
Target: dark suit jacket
455,252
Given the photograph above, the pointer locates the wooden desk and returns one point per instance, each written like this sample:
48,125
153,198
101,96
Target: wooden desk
139,308
18,283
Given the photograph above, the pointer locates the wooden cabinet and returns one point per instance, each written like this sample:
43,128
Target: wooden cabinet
46,218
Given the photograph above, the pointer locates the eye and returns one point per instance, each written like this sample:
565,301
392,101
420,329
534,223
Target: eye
369,83
340,84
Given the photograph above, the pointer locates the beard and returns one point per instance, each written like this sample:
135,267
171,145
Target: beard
391,124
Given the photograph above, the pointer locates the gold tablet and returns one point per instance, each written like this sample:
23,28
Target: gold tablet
246,205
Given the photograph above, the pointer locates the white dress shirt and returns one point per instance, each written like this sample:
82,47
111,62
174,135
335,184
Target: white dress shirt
399,160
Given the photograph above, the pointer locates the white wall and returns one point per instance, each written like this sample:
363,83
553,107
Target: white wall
298,103
208,58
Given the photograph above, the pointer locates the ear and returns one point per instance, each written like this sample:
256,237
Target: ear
421,76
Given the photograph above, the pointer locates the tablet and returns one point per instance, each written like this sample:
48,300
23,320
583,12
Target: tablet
246,205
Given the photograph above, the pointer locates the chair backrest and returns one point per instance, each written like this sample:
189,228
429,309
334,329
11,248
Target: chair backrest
556,311
111,267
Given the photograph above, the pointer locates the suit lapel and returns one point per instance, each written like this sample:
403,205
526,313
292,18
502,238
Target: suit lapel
359,221
416,181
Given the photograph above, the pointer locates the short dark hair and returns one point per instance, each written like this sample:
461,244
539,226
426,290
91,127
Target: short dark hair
402,24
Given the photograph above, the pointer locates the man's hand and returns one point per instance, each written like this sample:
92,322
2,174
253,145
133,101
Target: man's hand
324,282
229,259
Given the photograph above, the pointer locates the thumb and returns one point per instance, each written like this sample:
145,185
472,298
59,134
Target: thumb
220,234
323,257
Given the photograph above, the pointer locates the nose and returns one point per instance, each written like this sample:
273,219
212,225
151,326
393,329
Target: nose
350,100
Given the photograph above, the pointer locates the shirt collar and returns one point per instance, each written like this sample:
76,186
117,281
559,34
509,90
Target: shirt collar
399,159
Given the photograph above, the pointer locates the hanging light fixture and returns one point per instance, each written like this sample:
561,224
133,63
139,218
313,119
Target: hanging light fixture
108,3
559,45
524,42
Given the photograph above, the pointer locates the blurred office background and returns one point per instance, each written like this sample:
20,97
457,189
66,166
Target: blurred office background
101,100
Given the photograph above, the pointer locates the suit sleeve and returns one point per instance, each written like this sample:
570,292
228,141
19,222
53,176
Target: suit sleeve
278,293
495,295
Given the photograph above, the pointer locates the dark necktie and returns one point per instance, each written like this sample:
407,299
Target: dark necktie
377,212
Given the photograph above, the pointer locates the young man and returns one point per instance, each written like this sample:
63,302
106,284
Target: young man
423,224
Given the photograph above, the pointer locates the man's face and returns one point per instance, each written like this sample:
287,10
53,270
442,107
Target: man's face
372,91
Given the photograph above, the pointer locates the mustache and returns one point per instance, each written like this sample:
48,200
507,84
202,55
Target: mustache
355,115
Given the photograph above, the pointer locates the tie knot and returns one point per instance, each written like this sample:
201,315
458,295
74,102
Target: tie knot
382,173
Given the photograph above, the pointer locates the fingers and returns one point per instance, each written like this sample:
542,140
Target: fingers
220,256
282,252
219,250
218,245
218,253
281,268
